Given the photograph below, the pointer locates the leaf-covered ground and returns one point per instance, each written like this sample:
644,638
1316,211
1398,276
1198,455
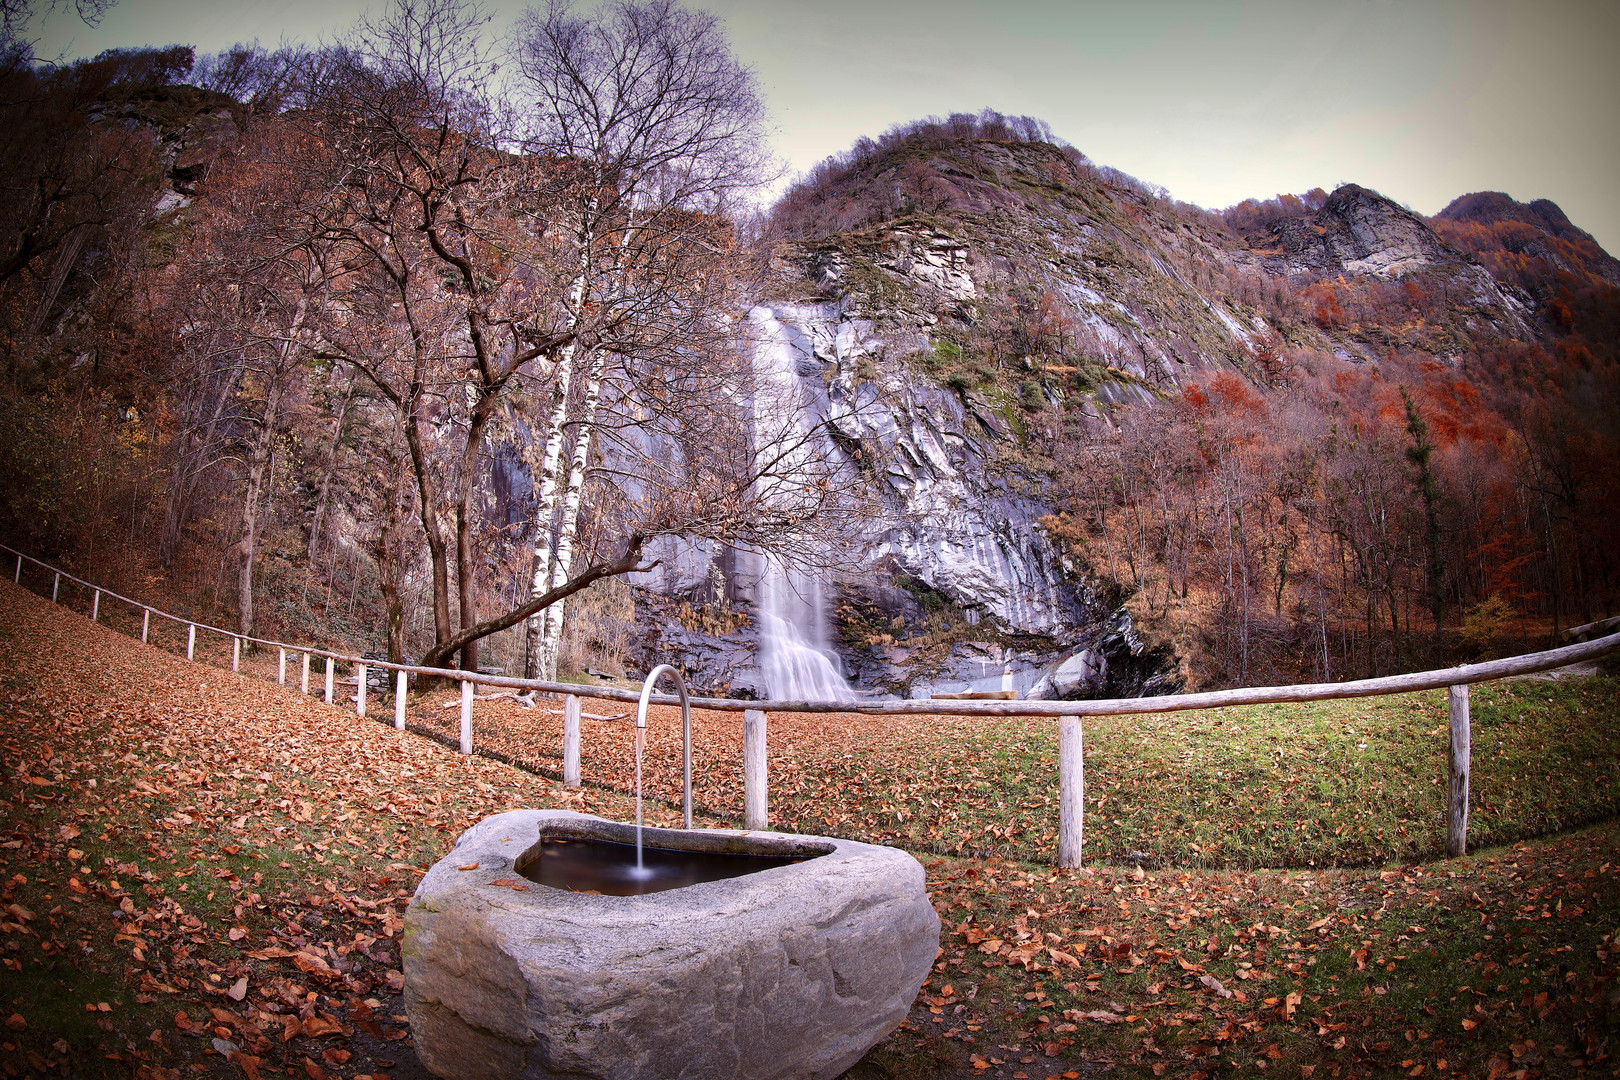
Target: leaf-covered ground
204,874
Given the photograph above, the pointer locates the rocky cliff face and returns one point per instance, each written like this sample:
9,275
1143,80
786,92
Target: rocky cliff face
956,586
1358,232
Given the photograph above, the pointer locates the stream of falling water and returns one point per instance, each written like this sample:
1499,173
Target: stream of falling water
640,741
795,655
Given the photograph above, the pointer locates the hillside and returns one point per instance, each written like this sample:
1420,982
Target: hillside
1098,337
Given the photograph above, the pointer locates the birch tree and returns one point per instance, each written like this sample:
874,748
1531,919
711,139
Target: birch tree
667,127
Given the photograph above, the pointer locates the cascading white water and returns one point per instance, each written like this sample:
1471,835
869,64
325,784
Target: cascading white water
795,654
795,657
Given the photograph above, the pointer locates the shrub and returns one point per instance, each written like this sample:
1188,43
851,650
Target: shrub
1484,625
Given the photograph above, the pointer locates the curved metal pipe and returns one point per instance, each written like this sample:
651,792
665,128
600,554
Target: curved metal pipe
686,735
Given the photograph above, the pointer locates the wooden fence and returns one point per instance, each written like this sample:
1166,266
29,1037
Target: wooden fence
1071,764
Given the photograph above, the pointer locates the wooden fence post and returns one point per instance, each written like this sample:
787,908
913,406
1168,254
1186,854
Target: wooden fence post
146,623
755,776
571,741
1461,760
303,682
281,666
1071,791
466,716
360,696
95,607
399,701
236,654
56,583
328,695
191,640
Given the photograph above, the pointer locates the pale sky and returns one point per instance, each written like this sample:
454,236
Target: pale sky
1423,100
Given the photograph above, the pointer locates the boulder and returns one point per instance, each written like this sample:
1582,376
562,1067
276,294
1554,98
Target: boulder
1086,672
790,972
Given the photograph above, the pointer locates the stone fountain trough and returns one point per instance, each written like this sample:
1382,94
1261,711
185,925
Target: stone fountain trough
792,968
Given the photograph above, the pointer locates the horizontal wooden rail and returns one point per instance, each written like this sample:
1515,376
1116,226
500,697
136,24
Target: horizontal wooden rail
1071,761
1526,664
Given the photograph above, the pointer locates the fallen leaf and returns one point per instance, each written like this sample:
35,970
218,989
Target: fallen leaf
238,989
318,1025
16,1022
313,965
469,866
270,954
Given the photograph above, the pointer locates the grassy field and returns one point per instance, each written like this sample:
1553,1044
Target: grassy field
1347,783
188,856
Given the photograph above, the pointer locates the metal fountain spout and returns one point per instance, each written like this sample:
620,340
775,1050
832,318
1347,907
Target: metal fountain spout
686,735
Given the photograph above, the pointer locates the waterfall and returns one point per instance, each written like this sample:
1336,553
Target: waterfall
795,655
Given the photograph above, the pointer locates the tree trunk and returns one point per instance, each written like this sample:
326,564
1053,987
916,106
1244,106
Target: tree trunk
545,508
188,469
390,540
259,462
428,493
628,563
568,527
259,459
326,473
466,559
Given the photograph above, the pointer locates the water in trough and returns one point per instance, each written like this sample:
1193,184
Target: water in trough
602,866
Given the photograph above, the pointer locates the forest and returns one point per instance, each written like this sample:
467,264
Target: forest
358,343
377,293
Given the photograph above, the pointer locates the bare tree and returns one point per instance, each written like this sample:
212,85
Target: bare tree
450,282
257,280
666,127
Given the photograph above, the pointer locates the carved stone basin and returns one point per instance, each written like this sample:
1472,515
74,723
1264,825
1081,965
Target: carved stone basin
789,964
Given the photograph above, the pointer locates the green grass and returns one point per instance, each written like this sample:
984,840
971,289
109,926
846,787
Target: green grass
1345,783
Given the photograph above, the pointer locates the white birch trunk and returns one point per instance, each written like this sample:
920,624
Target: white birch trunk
546,505
568,527
545,510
